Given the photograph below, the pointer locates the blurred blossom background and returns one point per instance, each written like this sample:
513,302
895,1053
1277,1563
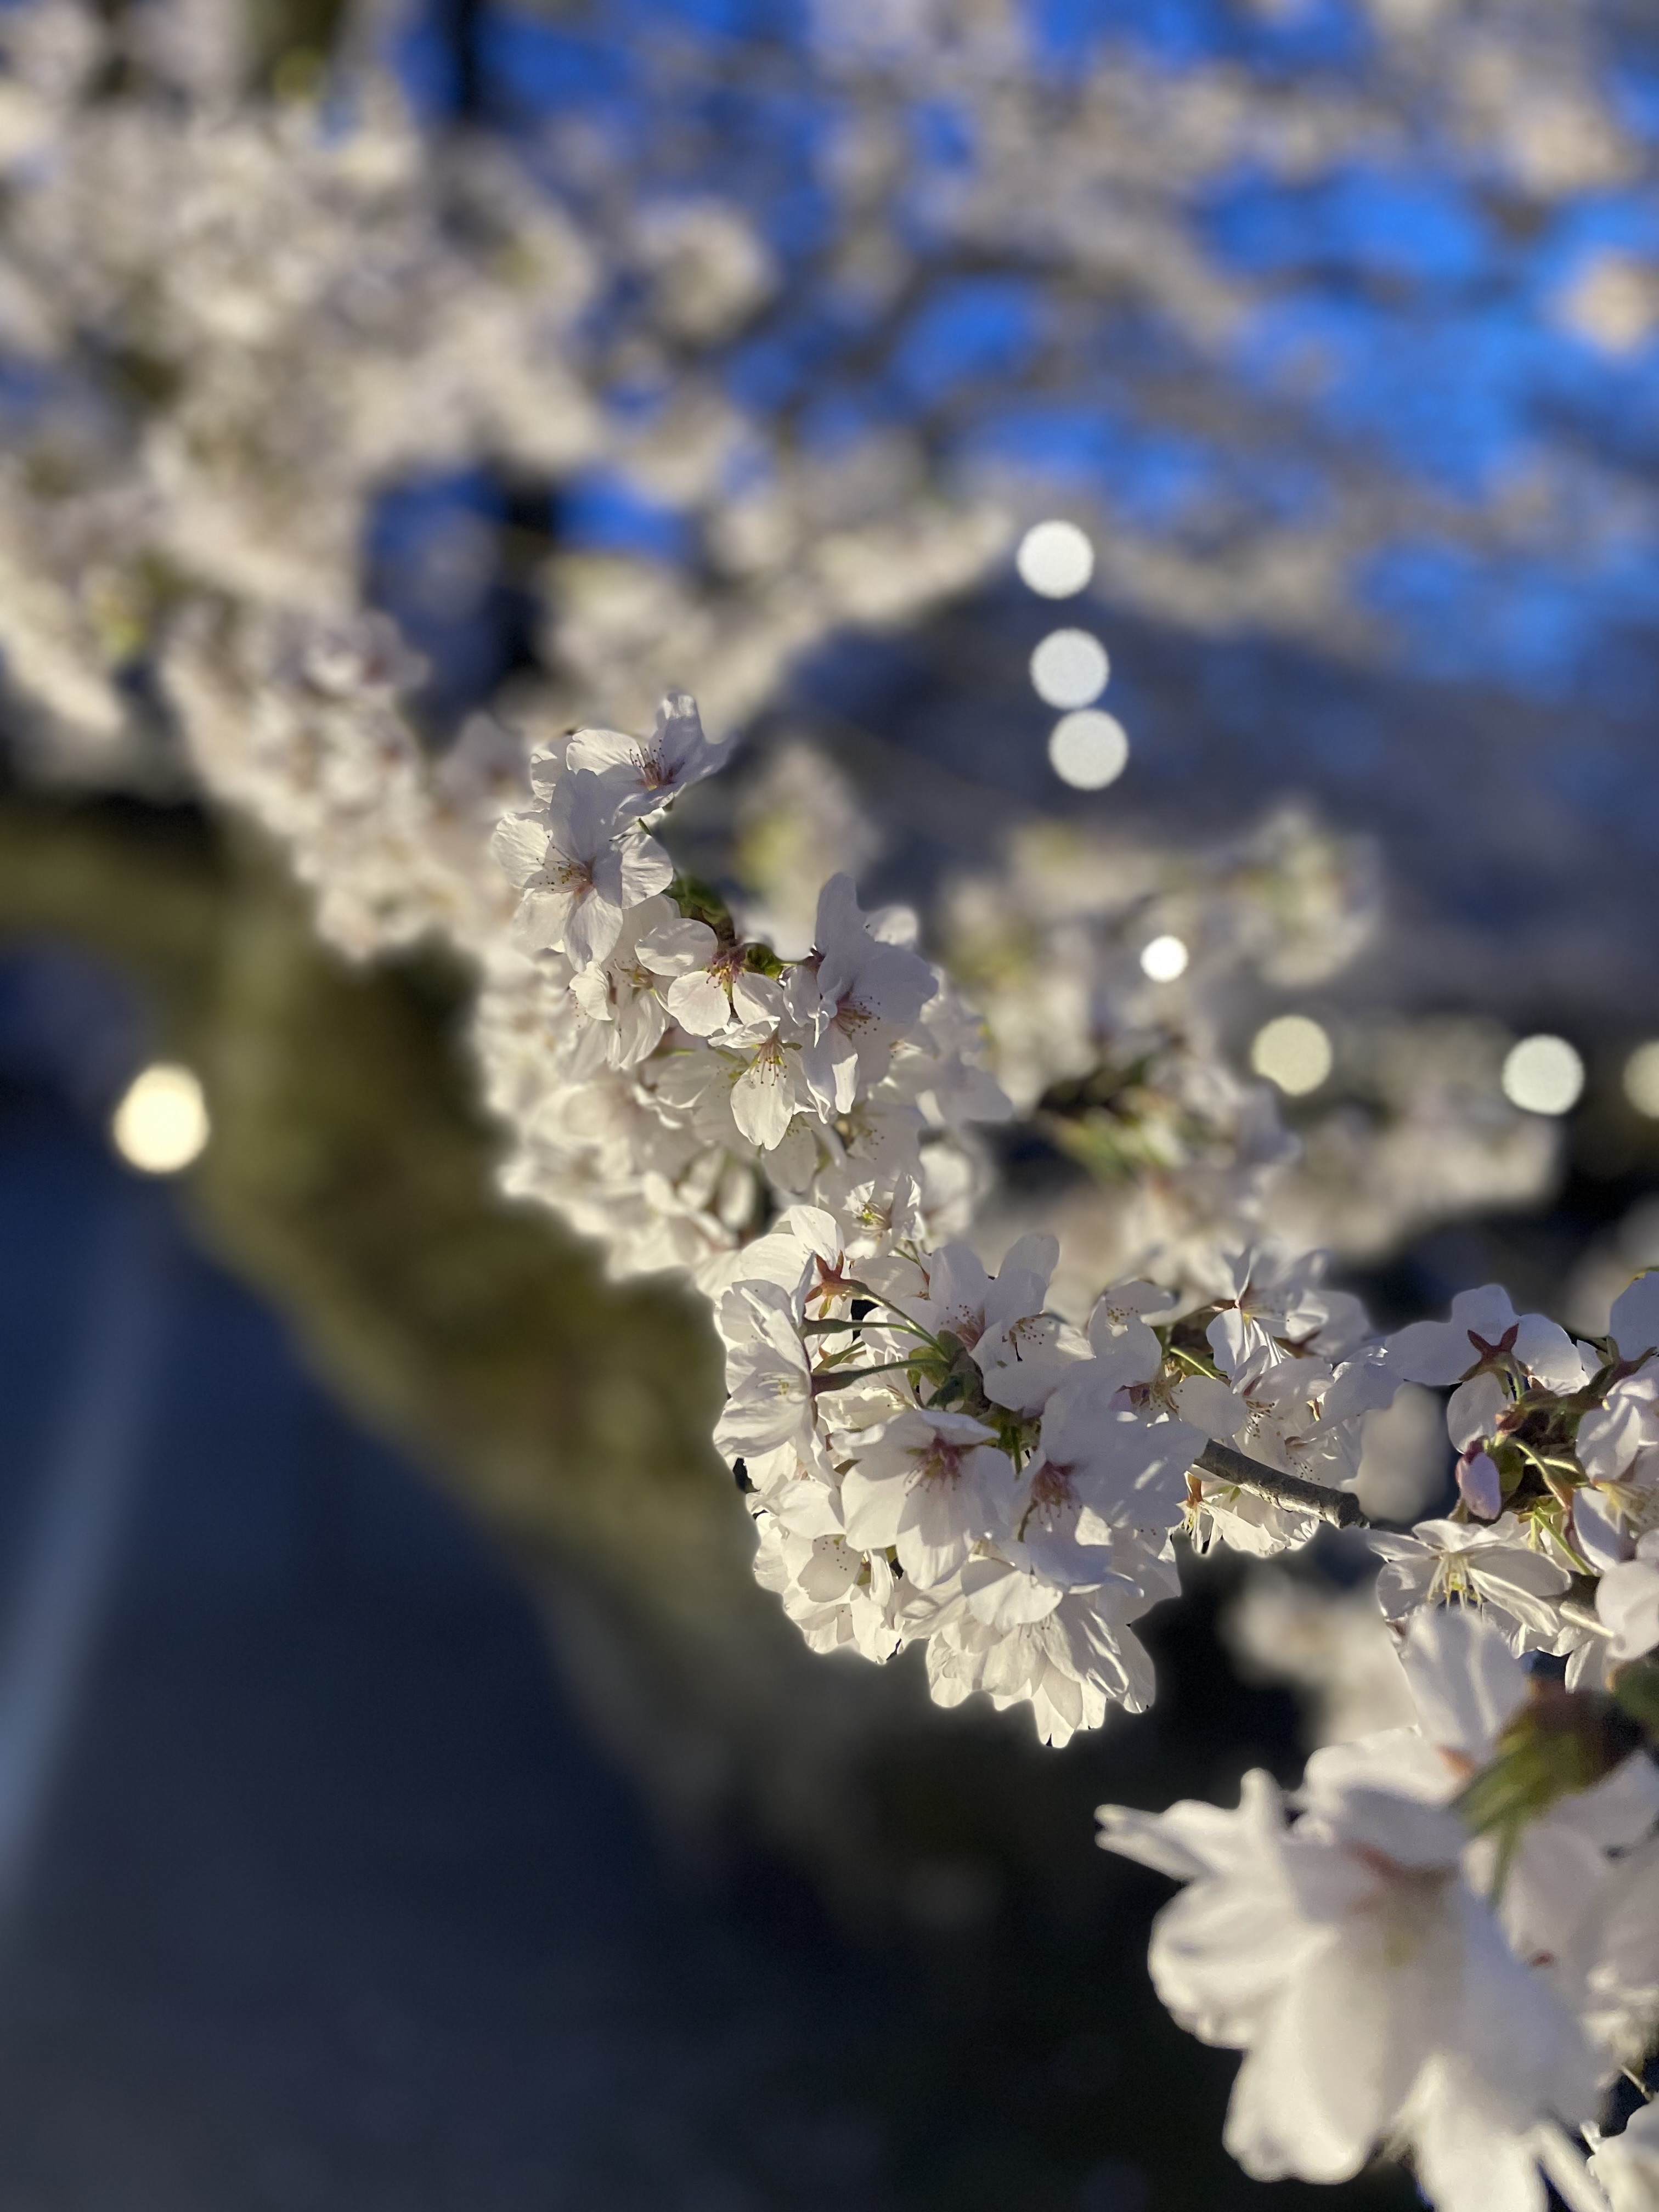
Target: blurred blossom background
1163,488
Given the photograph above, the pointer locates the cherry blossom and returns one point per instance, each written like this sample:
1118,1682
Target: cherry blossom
1484,1330
1371,1991
932,1485
1468,1687
1094,1472
769,1401
868,994
1277,1303
621,994
961,1299
762,1050
1491,1566
835,1594
580,867
1125,1348
700,999
647,774
1071,1666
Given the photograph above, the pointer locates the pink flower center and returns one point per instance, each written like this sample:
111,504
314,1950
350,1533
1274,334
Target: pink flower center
1051,1487
940,1462
575,877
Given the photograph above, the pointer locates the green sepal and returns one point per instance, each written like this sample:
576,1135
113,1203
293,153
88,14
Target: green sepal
701,901
1560,1743
1512,1466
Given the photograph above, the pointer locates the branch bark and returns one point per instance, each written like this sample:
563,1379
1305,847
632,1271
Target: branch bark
1340,1507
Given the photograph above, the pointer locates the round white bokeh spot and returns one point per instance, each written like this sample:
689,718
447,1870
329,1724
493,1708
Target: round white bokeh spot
1088,749
1055,560
1642,1080
1543,1075
1070,669
1292,1051
160,1124
1164,959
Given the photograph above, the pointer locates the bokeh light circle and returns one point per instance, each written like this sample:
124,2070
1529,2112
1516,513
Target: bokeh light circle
160,1124
1055,560
1164,959
1543,1075
1070,668
1292,1051
1088,749
1641,1078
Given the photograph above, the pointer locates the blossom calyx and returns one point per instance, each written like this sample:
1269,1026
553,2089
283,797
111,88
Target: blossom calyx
1559,1744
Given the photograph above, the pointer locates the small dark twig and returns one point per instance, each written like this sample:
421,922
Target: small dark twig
1340,1507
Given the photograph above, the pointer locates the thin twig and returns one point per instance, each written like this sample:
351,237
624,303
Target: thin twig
1340,1507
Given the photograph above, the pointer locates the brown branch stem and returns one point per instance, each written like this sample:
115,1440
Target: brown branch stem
1340,1507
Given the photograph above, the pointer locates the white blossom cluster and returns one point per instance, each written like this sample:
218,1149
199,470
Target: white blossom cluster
931,1454
1396,1981
1051,942
1134,1076
238,316
798,1137
1557,1473
1174,1159
1125,1074
244,318
669,1084
934,1455
301,725
672,1086
1124,1077
1453,1947
237,319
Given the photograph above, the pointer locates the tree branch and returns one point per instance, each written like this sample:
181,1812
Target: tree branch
1340,1507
